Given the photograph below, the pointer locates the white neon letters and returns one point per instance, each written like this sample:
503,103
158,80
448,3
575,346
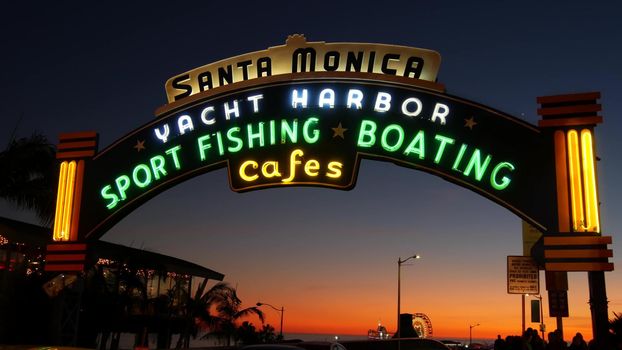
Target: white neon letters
299,100
305,98
383,102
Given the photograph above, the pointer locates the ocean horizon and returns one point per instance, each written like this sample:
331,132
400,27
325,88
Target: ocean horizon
127,339
344,337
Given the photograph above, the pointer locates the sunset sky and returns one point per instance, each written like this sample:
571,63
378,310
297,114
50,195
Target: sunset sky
329,257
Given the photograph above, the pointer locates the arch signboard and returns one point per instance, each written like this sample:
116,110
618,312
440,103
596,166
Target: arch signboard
312,128
314,132
307,113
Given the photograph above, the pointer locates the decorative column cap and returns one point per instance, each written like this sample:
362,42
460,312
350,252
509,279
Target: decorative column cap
77,145
569,110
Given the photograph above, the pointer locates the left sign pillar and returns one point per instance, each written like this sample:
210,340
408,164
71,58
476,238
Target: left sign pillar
67,255
68,252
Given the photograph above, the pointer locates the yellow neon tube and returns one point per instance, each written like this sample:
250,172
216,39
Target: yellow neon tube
67,207
60,201
77,197
64,201
576,193
561,173
589,181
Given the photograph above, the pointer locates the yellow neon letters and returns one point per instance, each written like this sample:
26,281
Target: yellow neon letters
311,169
243,173
293,161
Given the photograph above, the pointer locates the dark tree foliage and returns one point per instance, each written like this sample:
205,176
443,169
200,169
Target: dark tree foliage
615,328
28,175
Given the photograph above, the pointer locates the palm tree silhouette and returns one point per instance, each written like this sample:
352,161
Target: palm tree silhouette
216,311
615,328
28,174
229,311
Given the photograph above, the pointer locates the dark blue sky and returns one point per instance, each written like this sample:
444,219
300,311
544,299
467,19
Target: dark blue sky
68,66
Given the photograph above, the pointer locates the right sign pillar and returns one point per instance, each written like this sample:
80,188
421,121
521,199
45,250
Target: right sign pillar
578,244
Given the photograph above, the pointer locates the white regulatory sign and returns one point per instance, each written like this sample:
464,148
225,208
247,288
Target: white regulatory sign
523,275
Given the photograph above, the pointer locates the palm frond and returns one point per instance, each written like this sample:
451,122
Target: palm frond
250,311
28,175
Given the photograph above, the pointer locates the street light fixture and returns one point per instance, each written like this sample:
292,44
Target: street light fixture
399,265
471,333
281,310
541,313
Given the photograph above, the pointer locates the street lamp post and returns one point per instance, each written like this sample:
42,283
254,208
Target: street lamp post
399,265
541,316
281,310
471,333
523,313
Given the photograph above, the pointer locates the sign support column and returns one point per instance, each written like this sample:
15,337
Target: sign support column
68,255
68,252
579,244
522,278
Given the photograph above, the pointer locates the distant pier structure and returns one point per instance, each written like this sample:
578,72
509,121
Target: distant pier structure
422,325
417,325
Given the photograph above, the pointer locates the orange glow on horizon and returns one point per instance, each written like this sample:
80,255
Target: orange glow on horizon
451,309
444,326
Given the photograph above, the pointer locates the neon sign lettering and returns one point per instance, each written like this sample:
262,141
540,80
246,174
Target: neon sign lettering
301,99
300,56
308,114
141,176
315,134
393,139
271,168
185,122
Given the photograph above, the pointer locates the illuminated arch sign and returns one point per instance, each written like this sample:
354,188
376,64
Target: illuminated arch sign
305,114
312,129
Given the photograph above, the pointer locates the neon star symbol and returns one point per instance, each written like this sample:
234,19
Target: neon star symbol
339,131
140,145
470,123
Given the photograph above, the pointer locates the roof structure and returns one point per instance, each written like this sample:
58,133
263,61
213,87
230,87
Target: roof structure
34,235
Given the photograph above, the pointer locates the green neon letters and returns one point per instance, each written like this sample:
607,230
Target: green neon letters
142,176
393,138
417,145
259,135
233,140
444,140
396,141
367,134
505,181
